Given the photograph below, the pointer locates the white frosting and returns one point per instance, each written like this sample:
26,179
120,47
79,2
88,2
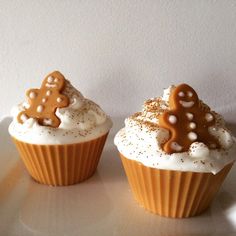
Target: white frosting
141,140
82,120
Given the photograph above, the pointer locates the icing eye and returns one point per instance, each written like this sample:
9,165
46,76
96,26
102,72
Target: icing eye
56,80
190,94
50,79
181,94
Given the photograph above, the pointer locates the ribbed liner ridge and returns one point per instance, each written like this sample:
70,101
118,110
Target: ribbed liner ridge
61,164
171,193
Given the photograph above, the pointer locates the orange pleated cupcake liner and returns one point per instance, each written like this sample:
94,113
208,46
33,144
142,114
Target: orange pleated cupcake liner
169,193
61,165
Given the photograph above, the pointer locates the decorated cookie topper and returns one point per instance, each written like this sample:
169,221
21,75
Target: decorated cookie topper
187,120
43,102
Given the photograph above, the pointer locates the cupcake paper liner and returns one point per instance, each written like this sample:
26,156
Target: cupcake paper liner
169,193
61,164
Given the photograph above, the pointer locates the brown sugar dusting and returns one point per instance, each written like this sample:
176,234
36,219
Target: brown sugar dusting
150,125
156,105
152,109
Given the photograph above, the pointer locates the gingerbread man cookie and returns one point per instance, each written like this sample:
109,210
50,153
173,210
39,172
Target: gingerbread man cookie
43,102
187,120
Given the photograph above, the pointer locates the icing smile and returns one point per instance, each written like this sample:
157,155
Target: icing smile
51,85
186,104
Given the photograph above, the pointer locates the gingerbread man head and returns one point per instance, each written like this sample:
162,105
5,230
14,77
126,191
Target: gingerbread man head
54,81
187,120
183,97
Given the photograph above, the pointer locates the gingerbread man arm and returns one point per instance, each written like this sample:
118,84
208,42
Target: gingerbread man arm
32,94
167,119
61,100
209,118
55,121
22,116
51,120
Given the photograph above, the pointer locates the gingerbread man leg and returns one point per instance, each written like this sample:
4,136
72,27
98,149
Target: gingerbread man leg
172,145
22,117
53,121
32,94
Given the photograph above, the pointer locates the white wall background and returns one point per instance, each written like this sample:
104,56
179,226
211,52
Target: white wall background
120,52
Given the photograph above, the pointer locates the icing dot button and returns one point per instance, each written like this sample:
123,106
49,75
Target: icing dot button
189,115
209,117
192,125
32,95
49,92
192,136
40,108
172,119
44,100
59,99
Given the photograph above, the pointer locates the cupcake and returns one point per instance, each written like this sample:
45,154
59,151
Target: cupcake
176,153
59,133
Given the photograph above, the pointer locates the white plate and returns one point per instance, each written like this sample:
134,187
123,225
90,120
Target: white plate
103,205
